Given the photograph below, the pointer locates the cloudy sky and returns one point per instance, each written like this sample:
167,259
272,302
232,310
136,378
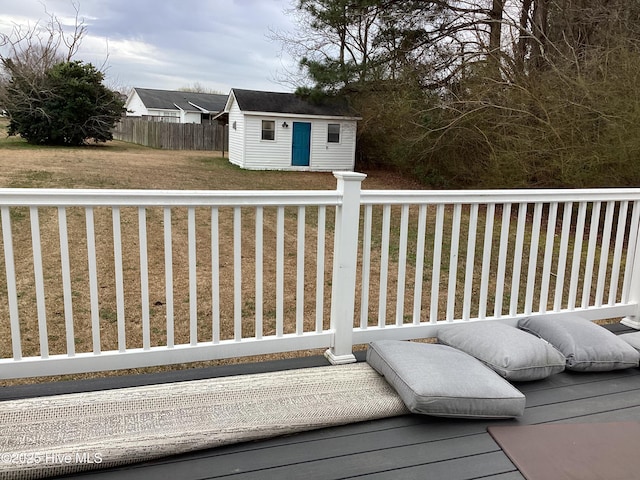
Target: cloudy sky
171,44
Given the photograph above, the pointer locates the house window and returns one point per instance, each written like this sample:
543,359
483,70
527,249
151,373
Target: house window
268,130
333,133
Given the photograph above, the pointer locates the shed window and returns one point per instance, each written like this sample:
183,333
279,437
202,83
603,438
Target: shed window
333,133
268,130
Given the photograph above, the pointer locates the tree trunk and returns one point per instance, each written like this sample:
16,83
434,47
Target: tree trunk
495,34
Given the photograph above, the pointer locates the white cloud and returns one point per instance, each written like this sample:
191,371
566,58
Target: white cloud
159,44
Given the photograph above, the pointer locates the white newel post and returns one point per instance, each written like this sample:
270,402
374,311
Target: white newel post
633,321
345,259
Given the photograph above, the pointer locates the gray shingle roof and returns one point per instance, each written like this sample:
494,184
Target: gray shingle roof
257,101
169,99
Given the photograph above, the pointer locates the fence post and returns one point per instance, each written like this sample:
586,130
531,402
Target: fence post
633,321
345,253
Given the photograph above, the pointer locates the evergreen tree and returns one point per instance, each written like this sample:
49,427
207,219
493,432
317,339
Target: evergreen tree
68,105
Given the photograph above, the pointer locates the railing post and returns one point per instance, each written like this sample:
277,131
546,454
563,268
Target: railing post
633,295
345,259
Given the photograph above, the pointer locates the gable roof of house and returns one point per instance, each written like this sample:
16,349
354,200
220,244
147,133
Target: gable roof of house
187,101
275,102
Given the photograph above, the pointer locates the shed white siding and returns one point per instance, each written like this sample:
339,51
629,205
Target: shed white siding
267,154
276,155
236,135
333,156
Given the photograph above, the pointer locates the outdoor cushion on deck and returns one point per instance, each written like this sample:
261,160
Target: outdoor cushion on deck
128,425
586,345
632,339
514,354
442,381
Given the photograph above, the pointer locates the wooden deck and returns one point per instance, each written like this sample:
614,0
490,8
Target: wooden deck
403,447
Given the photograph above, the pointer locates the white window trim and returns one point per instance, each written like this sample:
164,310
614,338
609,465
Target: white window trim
339,133
262,139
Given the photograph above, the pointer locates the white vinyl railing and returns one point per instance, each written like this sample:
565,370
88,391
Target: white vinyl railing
111,279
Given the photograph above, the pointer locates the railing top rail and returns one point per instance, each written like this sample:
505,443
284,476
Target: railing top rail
165,198
374,197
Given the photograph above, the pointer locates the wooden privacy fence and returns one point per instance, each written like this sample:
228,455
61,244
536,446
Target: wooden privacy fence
107,279
173,136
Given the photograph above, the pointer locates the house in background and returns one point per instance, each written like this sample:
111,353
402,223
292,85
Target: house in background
282,131
174,106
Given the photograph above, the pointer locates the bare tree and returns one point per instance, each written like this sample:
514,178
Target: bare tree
38,47
27,52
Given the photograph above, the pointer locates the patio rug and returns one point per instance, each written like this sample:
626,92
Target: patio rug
48,436
581,451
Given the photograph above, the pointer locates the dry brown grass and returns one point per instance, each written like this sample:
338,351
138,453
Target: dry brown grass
125,166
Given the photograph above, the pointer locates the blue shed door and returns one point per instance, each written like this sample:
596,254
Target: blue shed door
301,145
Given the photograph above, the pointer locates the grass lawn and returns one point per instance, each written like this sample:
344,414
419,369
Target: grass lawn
120,165
124,165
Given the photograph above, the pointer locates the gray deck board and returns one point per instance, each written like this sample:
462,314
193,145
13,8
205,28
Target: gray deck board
405,447
409,446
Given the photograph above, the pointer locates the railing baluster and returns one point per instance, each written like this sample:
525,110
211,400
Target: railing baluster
322,220
437,258
631,251
548,256
486,260
259,271
300,272
117,258
502,259
144,277
471,252
93,279
604,253
280,272
533,257
591,254
66,281
384,266
417,293
617,252
453,262
366,266
39,279
402,264
168,274
215,276
193,279
517,259
577,256
562,255
12,292
237,274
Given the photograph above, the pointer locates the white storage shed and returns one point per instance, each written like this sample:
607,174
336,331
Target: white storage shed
282,131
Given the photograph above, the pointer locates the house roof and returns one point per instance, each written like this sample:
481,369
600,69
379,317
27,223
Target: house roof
274,102
187,101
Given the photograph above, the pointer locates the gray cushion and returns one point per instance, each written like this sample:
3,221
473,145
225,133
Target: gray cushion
585,345
442,381
632,339
514,354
